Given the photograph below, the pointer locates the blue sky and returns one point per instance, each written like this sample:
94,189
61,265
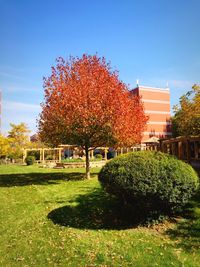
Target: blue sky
155,41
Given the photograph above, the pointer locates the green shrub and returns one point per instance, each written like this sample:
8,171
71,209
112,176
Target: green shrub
30,160
49,157
152,181
35,154
98,156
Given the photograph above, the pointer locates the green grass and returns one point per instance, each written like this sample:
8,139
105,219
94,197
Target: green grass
56,218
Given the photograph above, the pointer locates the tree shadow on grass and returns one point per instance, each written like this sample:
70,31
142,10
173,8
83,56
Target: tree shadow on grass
187,230
9,180
95,210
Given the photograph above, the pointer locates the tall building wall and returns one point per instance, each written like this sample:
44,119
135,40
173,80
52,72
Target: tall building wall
157,107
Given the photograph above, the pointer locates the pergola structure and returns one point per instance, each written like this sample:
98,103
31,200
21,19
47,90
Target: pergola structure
42,153
77,151
59,149
185,148
123,150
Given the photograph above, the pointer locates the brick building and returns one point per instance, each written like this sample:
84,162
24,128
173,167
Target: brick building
157,108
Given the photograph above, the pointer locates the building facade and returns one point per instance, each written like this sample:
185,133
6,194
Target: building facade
157,107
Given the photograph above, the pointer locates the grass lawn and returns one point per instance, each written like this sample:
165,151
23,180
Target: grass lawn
55,218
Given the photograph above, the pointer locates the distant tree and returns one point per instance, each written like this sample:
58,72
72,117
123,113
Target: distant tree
18,138
186,119
34,138
4,146
86,104
35,142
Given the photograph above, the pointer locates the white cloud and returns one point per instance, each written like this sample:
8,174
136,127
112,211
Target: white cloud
17,88
17,106
16,112
11,72
16,80
10,75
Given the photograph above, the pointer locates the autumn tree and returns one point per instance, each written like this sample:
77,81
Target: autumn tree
186,119
18,138
86,104
4,146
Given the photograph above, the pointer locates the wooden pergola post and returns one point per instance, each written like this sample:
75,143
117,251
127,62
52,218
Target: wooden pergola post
43,155
105,151
24,154
59,154
40,155
92,154
180,150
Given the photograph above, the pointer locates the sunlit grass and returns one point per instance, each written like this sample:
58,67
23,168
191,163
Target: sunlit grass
56,218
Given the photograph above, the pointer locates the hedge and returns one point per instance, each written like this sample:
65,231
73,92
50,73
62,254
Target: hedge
150,180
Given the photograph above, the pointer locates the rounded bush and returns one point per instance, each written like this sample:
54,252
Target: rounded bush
49,157
30,160
98,156
150,180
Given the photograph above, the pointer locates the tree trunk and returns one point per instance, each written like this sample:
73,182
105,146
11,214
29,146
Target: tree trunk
87,163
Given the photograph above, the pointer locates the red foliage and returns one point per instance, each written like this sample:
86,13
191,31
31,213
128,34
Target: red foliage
86,104
83,98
